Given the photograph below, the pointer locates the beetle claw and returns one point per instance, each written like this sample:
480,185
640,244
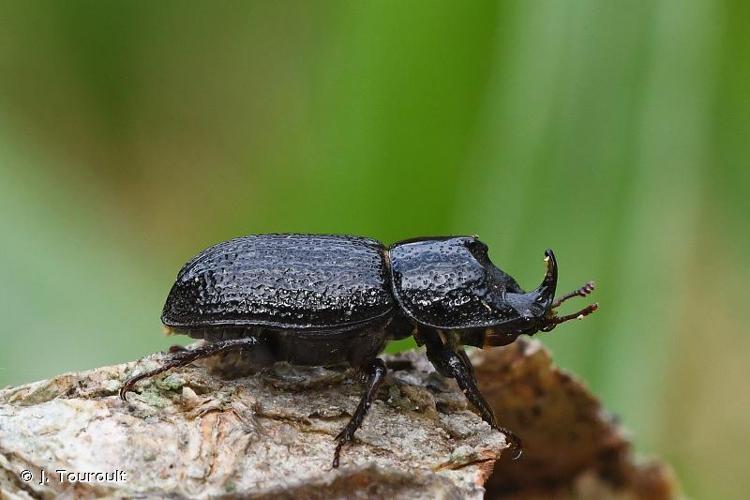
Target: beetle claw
337,454
342,438
516,445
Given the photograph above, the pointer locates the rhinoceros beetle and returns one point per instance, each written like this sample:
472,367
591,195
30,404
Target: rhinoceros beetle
323,300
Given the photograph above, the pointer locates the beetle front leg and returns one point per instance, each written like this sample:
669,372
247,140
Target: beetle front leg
458,366
375,377
183,356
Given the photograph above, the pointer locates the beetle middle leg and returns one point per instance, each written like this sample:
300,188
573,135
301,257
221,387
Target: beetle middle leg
375,376
184,356
457,365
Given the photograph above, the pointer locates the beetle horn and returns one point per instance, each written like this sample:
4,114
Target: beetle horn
549,283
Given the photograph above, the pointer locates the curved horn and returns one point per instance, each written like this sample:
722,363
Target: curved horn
549,284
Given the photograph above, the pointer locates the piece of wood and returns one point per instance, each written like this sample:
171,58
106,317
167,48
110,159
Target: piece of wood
573,447
193,433
210,430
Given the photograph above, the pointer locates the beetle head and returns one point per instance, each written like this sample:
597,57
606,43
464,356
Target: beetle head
535,311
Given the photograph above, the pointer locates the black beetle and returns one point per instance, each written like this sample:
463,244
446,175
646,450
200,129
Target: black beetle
324,300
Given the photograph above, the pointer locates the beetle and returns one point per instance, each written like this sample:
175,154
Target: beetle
324,300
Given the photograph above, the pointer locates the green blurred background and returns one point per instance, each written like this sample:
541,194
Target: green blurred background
134,134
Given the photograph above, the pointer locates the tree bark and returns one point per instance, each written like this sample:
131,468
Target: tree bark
209,430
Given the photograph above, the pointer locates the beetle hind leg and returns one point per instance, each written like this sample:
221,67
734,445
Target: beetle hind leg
183,356
375,377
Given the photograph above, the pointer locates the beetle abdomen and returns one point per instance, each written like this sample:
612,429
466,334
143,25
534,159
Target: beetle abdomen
285,281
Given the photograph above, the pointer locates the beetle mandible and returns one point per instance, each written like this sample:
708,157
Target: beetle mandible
324,300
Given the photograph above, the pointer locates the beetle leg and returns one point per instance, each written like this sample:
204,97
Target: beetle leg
376,374
459,367
182,357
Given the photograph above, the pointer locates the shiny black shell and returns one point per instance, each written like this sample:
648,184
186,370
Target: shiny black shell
450,283
326,283
283,281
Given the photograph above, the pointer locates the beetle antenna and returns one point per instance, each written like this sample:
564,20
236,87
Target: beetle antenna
553,322
580,292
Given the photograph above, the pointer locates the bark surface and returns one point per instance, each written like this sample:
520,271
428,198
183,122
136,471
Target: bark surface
204,431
